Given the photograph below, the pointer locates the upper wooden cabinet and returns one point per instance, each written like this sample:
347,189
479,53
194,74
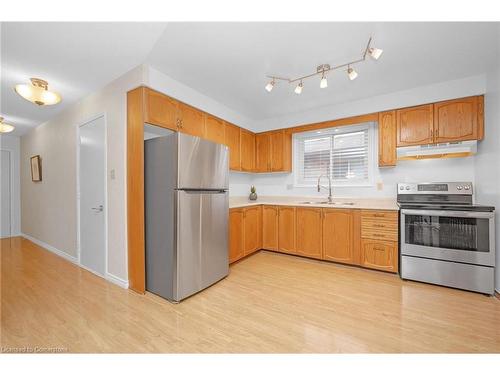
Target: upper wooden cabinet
273,151
387,139
286,229
415,125
281,151
308,240
449,121
160,110
232,140
456,120
263,152
270,227
215,129
338,236
191,120
247,150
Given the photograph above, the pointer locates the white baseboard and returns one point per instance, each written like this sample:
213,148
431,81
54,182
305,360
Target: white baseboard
117,280
109,277
52,249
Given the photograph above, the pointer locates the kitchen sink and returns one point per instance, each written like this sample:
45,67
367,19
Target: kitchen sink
330,203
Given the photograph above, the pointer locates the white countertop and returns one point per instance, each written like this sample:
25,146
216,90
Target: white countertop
357,203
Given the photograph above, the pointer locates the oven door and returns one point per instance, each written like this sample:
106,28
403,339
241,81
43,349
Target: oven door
459,236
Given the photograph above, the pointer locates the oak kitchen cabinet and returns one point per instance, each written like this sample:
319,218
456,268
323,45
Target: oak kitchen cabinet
235,234
456,120
338,236
379,240
245,231
232,140
308,238
215,129
387,155
191,120
247,150
286,229
270,227
252,229
415,125
160,110
273,151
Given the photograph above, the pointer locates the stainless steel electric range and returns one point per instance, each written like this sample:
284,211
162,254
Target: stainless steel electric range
445,239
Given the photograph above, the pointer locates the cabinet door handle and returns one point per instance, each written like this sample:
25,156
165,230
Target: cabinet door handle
379,225
379,215
378,235
379,248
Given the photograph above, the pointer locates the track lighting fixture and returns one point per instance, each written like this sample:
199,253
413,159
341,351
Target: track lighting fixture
351,73
298,89
323,83
270,85
323,69
375,53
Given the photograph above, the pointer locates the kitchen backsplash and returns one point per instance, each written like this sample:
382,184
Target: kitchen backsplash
458,169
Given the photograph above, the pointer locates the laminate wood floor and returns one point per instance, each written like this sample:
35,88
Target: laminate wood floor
270,303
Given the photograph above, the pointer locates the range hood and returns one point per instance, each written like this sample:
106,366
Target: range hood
439,150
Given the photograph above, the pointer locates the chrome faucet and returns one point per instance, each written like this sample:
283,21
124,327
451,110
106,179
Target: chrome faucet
330,198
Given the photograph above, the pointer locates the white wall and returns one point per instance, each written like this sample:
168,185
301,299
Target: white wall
163,83
475,85
461,169
12,144
49,208
487,161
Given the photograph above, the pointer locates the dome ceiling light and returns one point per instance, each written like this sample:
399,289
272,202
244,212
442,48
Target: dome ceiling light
38,92
5,128
373,52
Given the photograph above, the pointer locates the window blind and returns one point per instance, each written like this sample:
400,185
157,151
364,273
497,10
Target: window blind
343,154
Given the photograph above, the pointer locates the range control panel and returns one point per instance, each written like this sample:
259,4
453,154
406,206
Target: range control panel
435,188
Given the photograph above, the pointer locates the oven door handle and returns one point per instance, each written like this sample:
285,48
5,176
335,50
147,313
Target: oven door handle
471,214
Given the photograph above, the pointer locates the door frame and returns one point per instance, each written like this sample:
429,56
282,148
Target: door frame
78,208
11,188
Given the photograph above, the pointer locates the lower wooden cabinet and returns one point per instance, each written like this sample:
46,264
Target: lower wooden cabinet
360,237
252,229
270,227
380,255
308,241
338,236
235,234
286,229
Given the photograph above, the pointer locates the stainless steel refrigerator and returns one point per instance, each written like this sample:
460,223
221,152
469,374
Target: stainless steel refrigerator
186,211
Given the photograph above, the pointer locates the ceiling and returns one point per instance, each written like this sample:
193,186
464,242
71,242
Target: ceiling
229,61
75,58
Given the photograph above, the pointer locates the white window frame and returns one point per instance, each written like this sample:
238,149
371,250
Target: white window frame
372,150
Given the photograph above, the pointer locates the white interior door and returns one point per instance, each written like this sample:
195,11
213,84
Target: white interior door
93,195
5,194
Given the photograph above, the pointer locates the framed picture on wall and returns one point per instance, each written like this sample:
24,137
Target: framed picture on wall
36,168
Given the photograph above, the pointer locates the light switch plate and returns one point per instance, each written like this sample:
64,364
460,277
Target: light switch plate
112,174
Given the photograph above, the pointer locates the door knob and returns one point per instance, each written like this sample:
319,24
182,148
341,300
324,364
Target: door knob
100,208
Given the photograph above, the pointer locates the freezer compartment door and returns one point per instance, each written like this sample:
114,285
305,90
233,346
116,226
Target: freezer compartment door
202,164
202,240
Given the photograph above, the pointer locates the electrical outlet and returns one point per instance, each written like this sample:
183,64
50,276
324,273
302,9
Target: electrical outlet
112,174
380,185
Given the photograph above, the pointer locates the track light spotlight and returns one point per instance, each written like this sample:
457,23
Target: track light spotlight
375,53
323,83
298,89
351,73
270,85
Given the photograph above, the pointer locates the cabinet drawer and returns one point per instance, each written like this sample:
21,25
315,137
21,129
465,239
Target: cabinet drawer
382,224
374,214
379,235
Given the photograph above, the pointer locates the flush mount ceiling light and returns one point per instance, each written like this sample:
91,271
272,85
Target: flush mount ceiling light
5,128
373,52
38,92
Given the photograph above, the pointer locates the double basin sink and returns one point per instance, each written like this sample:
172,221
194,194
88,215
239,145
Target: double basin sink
330,203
